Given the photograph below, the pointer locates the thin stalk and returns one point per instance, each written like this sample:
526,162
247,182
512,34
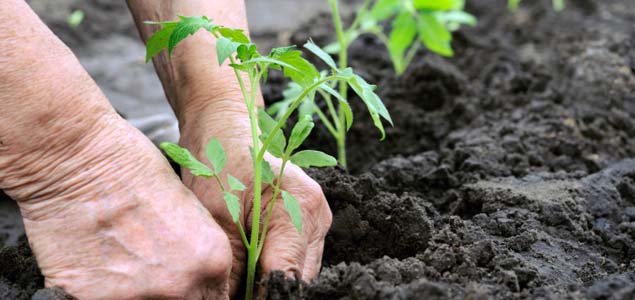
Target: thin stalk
252,259
276,193
332,111
291,109
343,63
326,121
240,226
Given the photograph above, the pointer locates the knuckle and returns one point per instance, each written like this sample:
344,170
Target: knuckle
314,200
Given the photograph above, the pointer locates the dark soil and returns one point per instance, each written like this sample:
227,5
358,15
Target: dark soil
509,174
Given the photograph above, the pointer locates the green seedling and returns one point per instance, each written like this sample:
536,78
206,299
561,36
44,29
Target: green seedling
75,18
415,23
267,135
558,5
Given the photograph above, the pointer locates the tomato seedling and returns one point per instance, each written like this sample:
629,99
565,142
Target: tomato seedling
267,135
415,23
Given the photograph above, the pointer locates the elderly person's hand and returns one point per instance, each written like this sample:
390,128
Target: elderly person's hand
208,103
105,214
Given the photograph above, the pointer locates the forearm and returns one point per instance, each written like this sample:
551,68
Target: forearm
192,79
49,104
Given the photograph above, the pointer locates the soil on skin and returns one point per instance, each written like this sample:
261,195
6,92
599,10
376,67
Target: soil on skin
509,174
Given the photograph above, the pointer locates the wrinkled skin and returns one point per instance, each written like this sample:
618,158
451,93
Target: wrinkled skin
284,249
105,214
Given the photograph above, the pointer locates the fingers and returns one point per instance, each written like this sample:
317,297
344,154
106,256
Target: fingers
298,256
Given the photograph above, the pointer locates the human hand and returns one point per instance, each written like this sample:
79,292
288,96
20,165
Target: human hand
299,256
107,218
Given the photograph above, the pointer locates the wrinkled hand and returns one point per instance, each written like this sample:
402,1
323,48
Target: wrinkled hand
111,220
299,256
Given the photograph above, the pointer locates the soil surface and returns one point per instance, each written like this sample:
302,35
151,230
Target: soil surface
509,174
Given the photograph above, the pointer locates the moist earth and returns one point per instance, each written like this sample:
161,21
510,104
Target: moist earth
509,173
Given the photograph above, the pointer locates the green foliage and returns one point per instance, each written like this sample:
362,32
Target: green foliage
235,184
216,155
233,205
75,18
268,135
293,208
185,159
414,23
312,158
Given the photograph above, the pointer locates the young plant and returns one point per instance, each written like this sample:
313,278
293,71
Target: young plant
267,135
415,23
558,5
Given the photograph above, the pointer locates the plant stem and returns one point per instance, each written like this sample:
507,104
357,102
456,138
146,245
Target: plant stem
343,64
252,252
291,109
276,192
326,121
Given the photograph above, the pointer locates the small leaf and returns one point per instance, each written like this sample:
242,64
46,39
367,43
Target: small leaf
267,173
404,31
185,159
436,4
270,61
233,205
225,48
187,26
235,184
320,53
75,18
216,155
267,125
159,40
434,35
312,158
235,35
246,52
293,208
384,9
277,52
300,132
375,107
304,73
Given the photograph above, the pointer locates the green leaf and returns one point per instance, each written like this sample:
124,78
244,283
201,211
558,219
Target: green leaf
293,208
233,205
346,108
434,35
300,132
404,31
235,184
75,18
159,40
271,61
267,173
513,4
185,159
187,26
436,4
456,16
216,155
246,52
315,49
312,158
304,73
374,104
384,9
267,125
225,48
235,35
558,5
277,52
